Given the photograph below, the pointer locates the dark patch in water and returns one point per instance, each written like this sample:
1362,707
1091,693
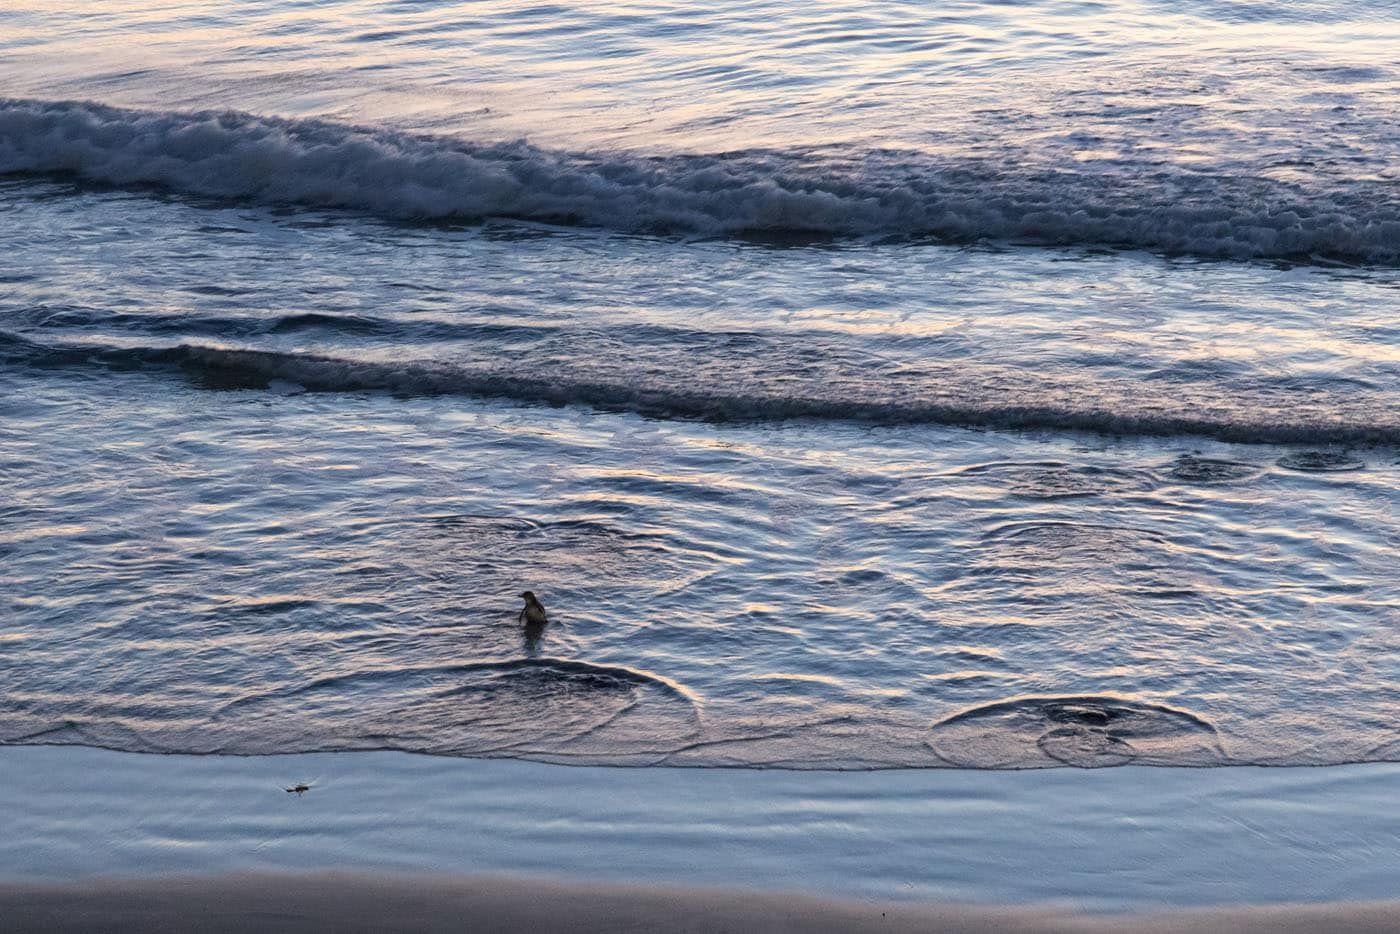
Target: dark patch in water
1321,462
1063,541
1089,732
216,290
1057,480
351,324
861,576
1191,469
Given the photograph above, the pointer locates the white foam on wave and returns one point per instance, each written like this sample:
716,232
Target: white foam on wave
401,175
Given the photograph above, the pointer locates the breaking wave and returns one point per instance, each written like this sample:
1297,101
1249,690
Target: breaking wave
877,193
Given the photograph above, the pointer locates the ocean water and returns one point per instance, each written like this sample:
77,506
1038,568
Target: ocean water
979,384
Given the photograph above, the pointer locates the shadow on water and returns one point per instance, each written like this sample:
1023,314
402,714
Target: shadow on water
533,634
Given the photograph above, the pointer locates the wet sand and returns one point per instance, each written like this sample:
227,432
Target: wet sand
349,902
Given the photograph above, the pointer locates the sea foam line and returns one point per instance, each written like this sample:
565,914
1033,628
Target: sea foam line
857,194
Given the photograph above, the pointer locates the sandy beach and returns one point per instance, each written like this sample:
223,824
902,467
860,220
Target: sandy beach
368,903
385,839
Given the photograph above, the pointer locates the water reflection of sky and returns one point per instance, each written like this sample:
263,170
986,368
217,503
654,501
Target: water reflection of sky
1190,82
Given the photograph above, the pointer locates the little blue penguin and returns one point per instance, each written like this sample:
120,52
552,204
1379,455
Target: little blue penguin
533,613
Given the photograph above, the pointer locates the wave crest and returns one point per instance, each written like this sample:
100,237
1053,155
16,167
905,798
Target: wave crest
802,192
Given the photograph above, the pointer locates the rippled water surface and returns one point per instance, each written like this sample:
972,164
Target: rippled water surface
859,385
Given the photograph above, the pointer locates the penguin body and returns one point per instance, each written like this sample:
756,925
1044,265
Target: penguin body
533,614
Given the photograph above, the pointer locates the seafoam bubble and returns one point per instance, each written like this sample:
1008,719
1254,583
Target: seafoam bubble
1059,480
1089,732
1192,469
1321,461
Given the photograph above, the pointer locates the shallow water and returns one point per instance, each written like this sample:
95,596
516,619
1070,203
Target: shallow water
1012,386
1111,840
